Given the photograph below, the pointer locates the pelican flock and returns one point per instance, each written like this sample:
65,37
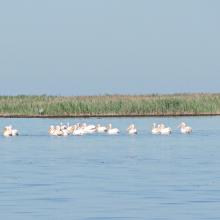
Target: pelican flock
82,129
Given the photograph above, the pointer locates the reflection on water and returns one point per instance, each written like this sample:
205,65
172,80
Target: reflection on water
96,177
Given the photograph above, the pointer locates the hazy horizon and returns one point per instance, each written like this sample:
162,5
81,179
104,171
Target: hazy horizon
109,47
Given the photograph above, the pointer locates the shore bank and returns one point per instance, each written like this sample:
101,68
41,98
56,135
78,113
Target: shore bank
109,116
109,106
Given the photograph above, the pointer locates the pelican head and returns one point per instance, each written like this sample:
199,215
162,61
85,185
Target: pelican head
162,126
182,124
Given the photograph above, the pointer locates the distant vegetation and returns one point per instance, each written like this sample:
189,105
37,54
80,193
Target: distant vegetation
116,105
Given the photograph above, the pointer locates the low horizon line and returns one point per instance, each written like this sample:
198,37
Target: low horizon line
116,94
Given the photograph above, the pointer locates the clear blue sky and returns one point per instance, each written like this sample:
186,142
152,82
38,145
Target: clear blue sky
92,47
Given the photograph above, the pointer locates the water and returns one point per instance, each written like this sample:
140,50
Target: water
101,177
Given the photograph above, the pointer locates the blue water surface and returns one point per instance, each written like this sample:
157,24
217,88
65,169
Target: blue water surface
102,177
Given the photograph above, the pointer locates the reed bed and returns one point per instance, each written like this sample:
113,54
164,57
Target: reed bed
109,105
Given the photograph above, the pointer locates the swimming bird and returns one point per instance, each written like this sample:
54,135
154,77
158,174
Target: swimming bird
77,130
9,131
131,129
14,132
51,130
88,129
70,129
184,129
65,132
101,129
112,130
58,131
155,129
164,130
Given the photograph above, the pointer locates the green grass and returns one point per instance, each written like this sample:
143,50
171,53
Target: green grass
116,105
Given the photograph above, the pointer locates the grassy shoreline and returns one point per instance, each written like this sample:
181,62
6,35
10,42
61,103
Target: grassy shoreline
22,106
111,116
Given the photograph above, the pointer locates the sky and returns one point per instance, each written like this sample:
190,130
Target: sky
97,47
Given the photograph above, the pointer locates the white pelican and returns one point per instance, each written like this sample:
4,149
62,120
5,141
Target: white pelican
54,131
58,133
164,130
88,129
63,127
65,132
14,132
9,131
51,130
184,129
155,129
70,129
112,130
101,129
77,130
131,129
